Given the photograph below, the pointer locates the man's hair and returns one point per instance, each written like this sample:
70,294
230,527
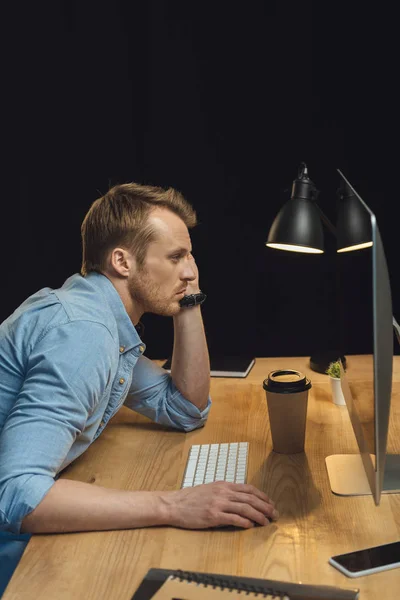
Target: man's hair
120,219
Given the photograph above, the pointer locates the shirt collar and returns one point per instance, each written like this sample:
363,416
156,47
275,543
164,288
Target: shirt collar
128,336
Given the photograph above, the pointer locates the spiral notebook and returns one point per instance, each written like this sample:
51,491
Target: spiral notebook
164,584
181,589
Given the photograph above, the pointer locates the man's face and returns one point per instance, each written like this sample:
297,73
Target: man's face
160,284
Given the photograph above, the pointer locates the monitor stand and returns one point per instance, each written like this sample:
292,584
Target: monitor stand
347,475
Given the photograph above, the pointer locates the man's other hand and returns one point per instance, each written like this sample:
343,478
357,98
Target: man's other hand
219,504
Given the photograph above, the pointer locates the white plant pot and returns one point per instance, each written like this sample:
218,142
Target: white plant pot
337,394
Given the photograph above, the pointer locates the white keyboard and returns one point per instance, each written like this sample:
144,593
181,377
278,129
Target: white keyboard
216,462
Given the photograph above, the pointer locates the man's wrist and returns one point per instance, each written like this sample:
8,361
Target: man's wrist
191,300
165,508
151,508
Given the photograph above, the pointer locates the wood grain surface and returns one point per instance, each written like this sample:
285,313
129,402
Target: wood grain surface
135,454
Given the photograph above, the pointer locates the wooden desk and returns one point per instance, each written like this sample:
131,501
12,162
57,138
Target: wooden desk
134,453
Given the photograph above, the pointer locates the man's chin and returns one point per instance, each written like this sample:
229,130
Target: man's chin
168,311
175,308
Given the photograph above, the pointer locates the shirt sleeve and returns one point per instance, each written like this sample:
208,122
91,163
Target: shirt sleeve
153,394
66,375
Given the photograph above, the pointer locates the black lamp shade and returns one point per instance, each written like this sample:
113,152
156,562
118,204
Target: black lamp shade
353,224
297,227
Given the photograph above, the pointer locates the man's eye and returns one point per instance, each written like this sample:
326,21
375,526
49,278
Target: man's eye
175,258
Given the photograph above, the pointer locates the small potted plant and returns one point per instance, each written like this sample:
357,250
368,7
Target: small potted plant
334,374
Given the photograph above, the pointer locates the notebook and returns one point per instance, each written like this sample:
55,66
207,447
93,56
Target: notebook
164,584
225,366
179,589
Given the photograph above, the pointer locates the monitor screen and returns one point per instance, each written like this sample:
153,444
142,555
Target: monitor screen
357,338
366,327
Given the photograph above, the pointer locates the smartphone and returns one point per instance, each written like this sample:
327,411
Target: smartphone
370,560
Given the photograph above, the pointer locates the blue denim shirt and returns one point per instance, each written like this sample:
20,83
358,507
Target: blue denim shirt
69,359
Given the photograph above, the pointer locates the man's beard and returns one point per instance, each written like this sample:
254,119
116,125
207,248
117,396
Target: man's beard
148,295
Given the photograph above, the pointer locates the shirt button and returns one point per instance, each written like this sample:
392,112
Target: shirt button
122,380
141,348
121,348
102,424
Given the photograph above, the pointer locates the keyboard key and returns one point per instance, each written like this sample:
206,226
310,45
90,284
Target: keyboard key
190,471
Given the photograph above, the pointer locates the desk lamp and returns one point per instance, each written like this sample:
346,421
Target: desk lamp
298,228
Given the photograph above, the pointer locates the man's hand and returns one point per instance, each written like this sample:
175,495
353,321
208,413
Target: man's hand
218,504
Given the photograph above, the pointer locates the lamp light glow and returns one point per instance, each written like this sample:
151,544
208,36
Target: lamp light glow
355,247
294,248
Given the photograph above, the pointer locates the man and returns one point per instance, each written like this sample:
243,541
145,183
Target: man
69,359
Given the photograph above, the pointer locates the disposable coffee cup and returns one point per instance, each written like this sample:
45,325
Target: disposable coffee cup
287,399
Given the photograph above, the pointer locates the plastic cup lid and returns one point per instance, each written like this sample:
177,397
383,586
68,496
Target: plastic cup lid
286,381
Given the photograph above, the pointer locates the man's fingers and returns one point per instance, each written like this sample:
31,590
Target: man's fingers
247,493
250,489
235,520
248,512
264,508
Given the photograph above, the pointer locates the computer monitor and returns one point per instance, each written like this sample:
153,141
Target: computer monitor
366,324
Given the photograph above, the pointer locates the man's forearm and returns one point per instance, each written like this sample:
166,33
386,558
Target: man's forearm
77,506
190,369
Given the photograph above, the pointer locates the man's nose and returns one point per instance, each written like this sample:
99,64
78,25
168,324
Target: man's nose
188,271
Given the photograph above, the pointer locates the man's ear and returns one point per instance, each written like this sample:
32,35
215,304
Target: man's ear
122,262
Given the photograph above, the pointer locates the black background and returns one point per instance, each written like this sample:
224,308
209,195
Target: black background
221,101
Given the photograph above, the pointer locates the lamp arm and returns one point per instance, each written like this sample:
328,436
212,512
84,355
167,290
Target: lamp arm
396,328
326,221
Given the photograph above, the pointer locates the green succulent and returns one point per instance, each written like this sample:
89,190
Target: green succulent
334,369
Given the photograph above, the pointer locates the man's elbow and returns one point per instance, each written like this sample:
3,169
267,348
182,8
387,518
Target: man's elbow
19,496
200,403
187,427
195,422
